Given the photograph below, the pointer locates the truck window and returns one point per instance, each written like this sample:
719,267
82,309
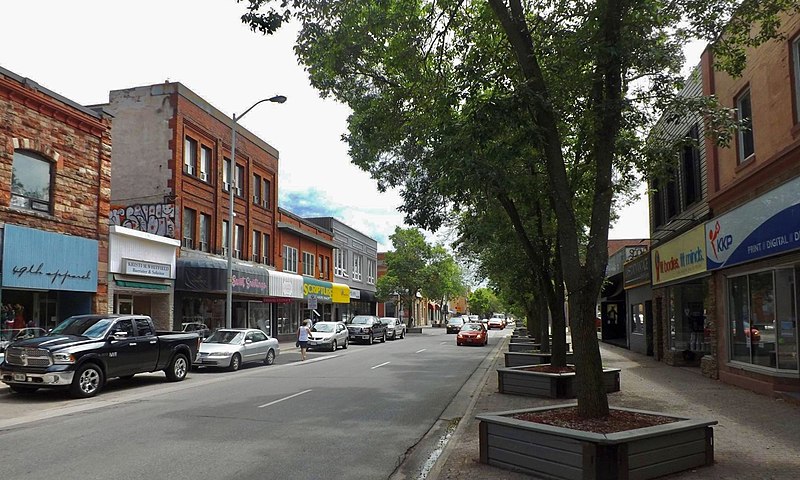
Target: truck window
123,326
144,327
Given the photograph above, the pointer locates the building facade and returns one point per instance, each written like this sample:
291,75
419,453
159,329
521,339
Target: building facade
55,178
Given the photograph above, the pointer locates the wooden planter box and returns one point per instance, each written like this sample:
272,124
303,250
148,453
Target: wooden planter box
520,359
524,347
555,452
517,381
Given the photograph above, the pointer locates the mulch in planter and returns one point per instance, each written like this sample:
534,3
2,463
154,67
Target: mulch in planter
547,368
616,421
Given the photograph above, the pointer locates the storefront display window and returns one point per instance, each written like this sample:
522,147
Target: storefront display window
206,310
762,319
687,317
259,317
637,318
288,318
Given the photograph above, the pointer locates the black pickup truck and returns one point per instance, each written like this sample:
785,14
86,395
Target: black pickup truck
84,351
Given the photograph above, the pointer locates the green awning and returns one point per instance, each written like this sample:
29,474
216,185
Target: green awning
150,286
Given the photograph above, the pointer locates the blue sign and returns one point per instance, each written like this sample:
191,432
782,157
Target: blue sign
765,226
48,261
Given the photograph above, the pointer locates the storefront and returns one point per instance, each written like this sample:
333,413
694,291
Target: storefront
141,274
613,305
639,293
47,277
285,299
325,301
201,285
682,335
362,302
754,251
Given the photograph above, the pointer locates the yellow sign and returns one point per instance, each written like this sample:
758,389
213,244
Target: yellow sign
682,257
340,293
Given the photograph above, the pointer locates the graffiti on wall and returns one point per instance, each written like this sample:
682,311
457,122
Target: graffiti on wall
158,219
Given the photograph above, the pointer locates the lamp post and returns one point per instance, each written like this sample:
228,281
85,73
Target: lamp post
231,226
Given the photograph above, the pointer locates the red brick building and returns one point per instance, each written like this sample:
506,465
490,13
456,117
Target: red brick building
55,172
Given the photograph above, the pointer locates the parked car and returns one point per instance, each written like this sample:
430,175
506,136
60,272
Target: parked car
20,334
394,328
329,335
201,328
366,328
495,322
232,347
454,324
84,351
472,334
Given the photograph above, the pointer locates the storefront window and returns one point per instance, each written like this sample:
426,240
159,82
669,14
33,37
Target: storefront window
637,318
687,317
259,317
288,318
762,320
210,311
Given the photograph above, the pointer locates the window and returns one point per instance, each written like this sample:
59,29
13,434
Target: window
225,234
339,262
256,250
289,259
239,179
189,232
687,317
371,271
744,113
762,321
637,318
265,244
190,156
205,232
226,175
238,241
357,259
321,268
308,264
31,182
124,327
257,189
690,171
143,328
205,164
265,194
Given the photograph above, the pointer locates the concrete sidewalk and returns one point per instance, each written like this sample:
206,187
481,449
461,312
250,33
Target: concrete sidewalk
757,437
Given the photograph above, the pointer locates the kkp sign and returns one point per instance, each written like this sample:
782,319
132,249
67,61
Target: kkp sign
765,226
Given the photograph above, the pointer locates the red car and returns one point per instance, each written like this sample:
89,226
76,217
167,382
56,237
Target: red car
472,334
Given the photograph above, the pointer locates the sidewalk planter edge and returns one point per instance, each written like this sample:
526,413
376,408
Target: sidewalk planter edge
521,359
557,452
518,381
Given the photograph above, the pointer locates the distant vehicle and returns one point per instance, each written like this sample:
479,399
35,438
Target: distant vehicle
501,316
495,322
455,324
329,335
84,351
474,318
472,334
201,328
366,328
21,334
394,328
232,347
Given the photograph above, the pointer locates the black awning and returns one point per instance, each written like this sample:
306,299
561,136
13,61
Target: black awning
210,274
367,296
614,288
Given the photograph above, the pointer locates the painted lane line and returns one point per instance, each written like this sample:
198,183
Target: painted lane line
311,360
444,343
284,398
420,351
382,364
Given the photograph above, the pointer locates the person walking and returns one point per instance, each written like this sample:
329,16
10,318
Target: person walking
302,337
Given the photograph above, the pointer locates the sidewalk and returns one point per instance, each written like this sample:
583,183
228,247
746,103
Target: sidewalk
757,437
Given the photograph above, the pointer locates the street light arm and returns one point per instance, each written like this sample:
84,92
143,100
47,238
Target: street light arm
275,99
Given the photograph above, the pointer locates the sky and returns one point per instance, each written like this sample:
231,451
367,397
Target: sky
82,49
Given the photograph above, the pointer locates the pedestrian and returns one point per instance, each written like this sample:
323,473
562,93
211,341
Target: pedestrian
302,337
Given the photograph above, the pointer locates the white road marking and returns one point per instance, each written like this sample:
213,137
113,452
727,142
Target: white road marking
382,364
311,360
444,343
420,351
285,398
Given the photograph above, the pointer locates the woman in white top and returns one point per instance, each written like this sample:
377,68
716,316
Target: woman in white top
302,337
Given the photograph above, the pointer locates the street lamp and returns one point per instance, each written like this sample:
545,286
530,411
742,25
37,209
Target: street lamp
231,226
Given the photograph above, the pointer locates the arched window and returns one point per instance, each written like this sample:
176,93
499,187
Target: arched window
31,182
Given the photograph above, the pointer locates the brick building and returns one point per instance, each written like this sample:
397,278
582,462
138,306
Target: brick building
55,171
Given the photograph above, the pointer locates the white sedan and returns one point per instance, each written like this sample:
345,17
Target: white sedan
231,347
328,335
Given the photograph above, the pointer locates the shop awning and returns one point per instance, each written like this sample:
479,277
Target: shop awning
285,285
210,274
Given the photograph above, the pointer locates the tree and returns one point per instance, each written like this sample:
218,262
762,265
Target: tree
443,278
406,268
580,81
483,302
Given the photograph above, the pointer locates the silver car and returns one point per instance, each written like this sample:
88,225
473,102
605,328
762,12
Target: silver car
394,328
231,347
329,335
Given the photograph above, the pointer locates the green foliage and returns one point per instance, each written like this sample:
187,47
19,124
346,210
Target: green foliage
483,302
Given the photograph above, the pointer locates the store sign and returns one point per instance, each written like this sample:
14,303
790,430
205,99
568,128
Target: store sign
682,257
146,269
312,302
637,271
246,283
355,294
618,259
766,226
43,260
321,290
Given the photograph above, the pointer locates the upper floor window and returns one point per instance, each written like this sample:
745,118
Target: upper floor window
308,264
681,187
31,182
205,232
371,269
265,193
190,156
257,189
189,229
205,163
339,262
225,233
239,179
289,259
238,241
357,260
226,174
744,113
690,172
256,247
266,250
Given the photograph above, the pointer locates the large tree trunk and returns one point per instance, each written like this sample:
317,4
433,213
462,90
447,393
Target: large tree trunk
533,322
591,391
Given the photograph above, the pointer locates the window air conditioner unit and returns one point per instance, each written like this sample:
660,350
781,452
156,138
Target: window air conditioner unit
256,200
204,176
265,260
190,169
237,254
238,191
224,251
226,186
188,242
254,258
265,204
204,246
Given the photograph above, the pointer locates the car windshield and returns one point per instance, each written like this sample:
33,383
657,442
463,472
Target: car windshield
225,336
471,327
322,327
92,327
387,321
361,320
455,321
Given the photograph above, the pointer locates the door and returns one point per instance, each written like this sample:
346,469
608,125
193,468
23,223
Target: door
259,346
121,353
648,326
146,347
124,305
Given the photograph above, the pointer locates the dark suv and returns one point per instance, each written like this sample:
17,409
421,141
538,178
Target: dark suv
366,328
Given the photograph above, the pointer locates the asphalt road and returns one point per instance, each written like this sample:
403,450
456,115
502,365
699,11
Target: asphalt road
350,414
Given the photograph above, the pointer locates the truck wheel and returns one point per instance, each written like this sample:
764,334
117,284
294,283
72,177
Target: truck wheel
270,358
23,388
88,380
178,368
236,362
